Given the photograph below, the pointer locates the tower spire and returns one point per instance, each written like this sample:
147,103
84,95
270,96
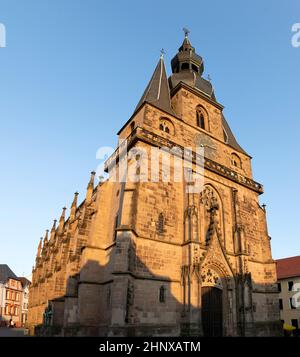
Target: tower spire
45,242
39,249
53,231
157,91
90,187
62,220
46,238
187,59
74,206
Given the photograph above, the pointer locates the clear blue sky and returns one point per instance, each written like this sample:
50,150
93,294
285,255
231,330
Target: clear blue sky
73,71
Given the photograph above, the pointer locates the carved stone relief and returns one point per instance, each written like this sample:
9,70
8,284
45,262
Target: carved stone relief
210,278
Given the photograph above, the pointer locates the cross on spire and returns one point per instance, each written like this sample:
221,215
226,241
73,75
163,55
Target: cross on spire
162,53
186,32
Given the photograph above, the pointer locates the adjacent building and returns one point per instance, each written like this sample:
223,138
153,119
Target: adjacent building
288,275
25,299
152,257
11,295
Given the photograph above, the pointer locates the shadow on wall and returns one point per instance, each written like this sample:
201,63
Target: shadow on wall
124,298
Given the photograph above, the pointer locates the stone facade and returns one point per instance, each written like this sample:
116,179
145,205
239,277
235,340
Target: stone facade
136,258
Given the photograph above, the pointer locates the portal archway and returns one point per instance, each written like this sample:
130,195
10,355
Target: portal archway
211,304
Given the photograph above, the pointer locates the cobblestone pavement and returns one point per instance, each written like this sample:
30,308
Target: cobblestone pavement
12,332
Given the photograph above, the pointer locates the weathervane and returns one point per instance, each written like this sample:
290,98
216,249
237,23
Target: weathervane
162,53
186,32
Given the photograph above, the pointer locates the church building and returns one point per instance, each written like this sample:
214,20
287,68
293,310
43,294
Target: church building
153,257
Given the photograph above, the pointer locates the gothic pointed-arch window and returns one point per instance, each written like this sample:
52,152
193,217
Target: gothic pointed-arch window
236,161
201,118
161,223
167,126
162,294
116,226
132,126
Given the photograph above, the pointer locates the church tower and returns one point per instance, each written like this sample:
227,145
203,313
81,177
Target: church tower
162,258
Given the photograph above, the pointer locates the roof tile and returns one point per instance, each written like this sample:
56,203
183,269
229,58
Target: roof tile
288,267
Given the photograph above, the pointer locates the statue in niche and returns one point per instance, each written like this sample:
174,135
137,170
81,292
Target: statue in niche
191,224
212,212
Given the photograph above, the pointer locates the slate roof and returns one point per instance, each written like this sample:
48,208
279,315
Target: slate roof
6,273
25,281
193,80
231,140
288,267
159,88
157,91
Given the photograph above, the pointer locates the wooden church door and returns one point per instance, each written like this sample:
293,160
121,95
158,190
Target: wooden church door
212,311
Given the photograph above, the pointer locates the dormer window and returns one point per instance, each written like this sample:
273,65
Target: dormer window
236,161
167,126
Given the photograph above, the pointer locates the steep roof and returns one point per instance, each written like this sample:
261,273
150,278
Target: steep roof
159,88
25,281
288,267
194,81
6,273
231,140
157,91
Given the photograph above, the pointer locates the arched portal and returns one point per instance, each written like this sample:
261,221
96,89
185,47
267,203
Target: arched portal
212,311
211,304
